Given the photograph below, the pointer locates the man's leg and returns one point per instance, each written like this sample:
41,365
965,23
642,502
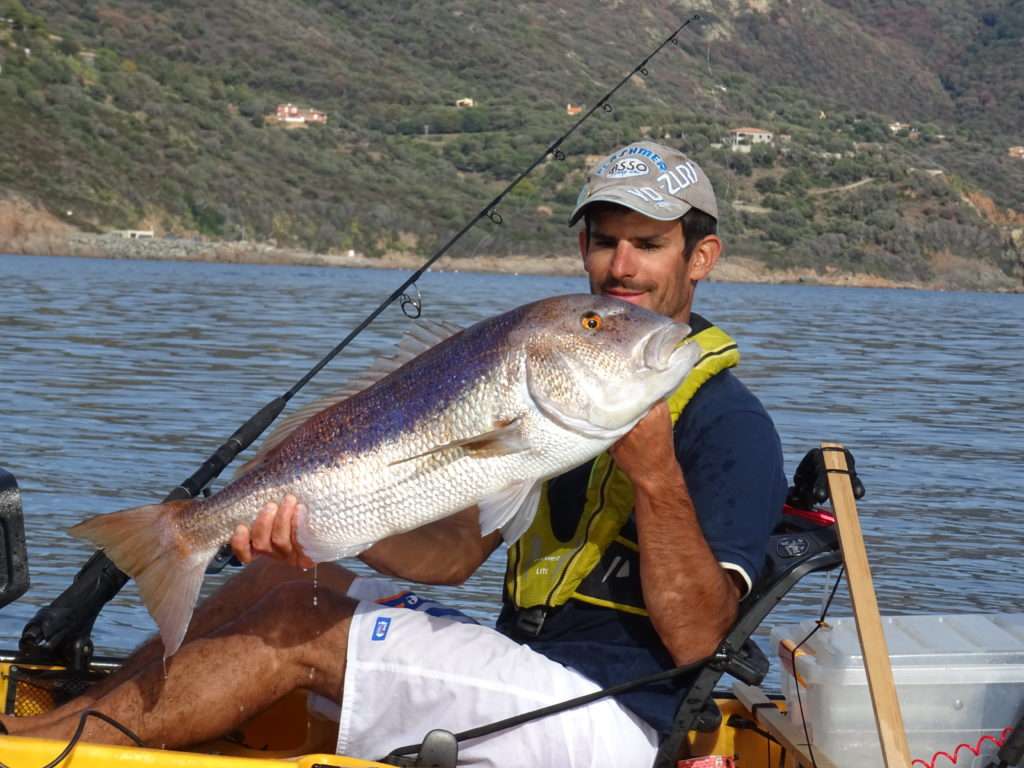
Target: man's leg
278,630
226,604
235,596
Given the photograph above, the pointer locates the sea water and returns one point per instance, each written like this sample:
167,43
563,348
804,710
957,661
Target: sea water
118,378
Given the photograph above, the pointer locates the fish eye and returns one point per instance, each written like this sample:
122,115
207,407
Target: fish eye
591,321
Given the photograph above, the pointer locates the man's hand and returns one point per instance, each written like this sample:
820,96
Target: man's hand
273,533
446,551
646,453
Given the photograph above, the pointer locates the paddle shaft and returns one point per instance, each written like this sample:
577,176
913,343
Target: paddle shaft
888,717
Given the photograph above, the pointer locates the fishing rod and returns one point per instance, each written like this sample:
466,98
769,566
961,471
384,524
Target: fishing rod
61,630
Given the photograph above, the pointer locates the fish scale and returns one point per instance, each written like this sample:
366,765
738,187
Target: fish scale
433,482
479,418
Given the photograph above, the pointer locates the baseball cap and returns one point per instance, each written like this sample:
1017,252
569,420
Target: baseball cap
652,179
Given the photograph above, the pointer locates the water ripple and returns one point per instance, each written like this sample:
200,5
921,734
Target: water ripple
118,378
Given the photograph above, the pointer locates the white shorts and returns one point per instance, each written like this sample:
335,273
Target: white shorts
408,673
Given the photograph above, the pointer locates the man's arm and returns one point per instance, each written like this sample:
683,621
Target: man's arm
447,551
691,599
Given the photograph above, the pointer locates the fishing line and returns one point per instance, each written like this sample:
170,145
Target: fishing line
490,209
242,439
796,678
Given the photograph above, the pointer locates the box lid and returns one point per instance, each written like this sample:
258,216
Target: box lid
927,640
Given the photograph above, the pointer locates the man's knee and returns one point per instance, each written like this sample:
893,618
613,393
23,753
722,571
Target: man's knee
308,630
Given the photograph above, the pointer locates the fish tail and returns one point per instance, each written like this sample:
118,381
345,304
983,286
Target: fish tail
144,543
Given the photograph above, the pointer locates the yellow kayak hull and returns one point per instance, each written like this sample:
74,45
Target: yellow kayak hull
291,734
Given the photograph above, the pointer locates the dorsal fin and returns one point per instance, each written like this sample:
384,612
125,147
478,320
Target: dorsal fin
421,337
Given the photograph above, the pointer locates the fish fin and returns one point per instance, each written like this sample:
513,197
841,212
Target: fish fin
424,335
511,509
521,520
142,543
507,437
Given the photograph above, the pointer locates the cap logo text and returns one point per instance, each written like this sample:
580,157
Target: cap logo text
627,167
646,193
644,152
675,181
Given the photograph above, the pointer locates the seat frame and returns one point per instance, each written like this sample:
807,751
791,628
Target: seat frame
803,543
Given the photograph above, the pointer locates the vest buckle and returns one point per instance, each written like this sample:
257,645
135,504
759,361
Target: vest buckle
530,621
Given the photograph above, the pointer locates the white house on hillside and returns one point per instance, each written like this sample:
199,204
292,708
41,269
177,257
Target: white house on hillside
742,139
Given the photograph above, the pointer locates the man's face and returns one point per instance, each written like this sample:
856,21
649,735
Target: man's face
640,260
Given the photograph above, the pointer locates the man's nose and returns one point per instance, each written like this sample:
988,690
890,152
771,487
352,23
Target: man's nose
624,261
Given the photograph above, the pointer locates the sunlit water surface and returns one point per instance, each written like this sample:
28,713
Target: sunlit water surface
117,378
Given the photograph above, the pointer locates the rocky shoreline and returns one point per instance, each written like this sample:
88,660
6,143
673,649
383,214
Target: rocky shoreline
731,269
25,230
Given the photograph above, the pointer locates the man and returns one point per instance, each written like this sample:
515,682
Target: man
634,563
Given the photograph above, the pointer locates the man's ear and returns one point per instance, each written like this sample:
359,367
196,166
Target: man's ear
704,257
583,244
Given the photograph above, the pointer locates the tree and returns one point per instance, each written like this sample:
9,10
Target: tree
68,47
763,155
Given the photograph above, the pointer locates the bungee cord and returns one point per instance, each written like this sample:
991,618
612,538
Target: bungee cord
818,624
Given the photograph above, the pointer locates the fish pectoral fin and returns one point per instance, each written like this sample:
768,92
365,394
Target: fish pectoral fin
507,437
511,509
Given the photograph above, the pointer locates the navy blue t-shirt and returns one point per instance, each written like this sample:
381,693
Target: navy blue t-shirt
732,461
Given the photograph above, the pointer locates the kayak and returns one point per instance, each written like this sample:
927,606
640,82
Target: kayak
289,733
293,732
741,727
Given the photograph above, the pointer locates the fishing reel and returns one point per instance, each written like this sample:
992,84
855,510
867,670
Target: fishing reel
810,481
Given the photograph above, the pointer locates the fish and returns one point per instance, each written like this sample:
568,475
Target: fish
453,418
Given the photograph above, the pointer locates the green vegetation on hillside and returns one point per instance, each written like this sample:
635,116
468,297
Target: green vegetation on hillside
128,114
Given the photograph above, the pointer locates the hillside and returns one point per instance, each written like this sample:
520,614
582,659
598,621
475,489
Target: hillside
152,115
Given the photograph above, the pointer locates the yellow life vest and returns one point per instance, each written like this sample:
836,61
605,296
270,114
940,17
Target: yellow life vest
545,570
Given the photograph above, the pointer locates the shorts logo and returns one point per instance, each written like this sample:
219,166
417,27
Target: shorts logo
380,629
626,167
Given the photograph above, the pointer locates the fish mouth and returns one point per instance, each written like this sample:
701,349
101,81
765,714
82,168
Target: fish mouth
663,348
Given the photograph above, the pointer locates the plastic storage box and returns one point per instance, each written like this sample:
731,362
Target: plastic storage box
960,681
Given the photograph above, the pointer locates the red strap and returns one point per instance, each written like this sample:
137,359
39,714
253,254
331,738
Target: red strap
818,515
